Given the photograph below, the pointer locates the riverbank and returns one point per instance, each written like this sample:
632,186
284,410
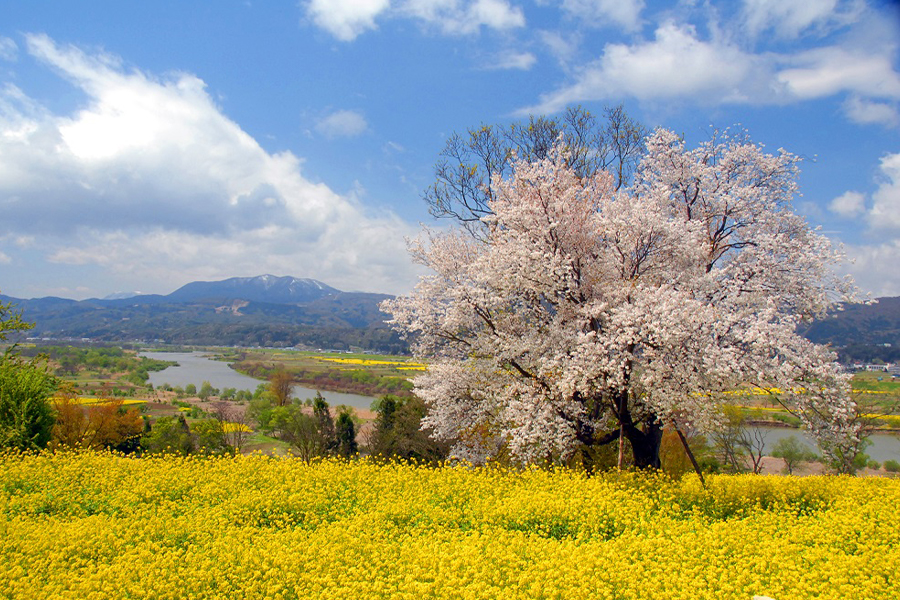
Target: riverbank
194,368
360,374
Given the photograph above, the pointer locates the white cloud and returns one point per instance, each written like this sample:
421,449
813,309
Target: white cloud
461,17
849,204
521,61
623,13
8,49
791,18
353,255
828,71
346,19
150,177
562,47
676,64
885,212
874,267
496,14
713,68
342,123
4,258
867,112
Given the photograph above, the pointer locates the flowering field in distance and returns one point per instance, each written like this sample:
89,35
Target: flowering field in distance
84,401
371,362
99,525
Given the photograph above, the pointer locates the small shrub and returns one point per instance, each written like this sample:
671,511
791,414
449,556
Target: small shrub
793,451
892,466
873,464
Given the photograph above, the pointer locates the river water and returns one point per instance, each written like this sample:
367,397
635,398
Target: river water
197,367
884,445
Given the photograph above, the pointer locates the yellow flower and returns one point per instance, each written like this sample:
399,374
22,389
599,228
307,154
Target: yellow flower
103,525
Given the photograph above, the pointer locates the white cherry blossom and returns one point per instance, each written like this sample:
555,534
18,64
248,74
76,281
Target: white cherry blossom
588,312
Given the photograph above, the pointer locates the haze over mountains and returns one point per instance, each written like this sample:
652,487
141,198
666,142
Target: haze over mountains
241,311
289,311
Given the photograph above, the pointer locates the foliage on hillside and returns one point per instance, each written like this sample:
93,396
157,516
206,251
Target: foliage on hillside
861,332
102,526
103,371
341,322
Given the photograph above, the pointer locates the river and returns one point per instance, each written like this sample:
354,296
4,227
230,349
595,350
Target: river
884,446
197,367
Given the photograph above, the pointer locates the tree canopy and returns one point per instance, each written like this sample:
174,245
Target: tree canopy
11,320
468,164
587,310
26,417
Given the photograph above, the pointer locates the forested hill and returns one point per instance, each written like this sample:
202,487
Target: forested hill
264,311
286,311
861,332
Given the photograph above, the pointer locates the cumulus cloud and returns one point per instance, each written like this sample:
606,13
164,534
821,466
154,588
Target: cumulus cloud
622,13
460,17
149,176
885,212
675,64
342,123
872,267
872,264
346,19
681,63
849,204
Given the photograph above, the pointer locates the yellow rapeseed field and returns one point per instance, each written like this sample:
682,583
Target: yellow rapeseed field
398,364
97,525
91,401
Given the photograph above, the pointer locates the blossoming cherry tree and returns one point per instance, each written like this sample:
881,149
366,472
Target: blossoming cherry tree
587,313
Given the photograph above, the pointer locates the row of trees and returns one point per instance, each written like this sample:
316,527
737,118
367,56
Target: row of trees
66,423
313,431
223,431
308,426
103,360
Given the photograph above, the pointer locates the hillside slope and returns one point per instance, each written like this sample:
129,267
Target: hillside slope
258,311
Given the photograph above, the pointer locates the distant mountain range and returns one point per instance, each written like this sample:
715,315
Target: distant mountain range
241,311
287,311
861,332
265,288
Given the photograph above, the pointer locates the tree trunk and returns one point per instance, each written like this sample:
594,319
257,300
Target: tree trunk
645,445
644,442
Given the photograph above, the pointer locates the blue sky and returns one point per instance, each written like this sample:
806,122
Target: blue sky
146,145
